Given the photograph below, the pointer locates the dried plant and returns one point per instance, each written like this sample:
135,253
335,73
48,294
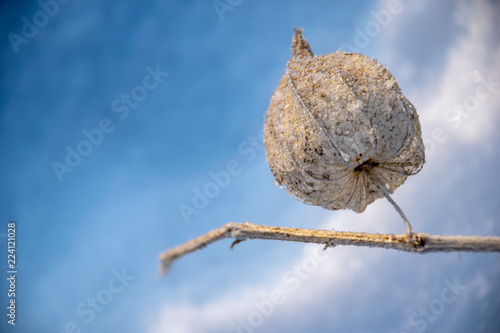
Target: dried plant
339,134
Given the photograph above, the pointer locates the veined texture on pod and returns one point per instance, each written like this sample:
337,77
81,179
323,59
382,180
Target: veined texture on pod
337,126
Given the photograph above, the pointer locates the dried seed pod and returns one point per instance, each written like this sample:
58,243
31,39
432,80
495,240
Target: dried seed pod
338,132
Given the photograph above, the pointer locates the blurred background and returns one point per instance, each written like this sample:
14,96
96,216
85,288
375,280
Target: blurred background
127,128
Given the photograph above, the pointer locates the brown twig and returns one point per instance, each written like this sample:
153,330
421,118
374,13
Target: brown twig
417,242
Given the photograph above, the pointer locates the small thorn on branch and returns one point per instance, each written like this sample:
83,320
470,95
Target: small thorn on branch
414,242
236,242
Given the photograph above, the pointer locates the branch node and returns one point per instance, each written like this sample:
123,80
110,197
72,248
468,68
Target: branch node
419,243
329,244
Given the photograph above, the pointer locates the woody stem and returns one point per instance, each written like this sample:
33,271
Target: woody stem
417,243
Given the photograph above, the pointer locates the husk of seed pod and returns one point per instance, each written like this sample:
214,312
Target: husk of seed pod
337,126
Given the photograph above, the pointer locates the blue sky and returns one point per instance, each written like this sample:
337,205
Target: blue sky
171,93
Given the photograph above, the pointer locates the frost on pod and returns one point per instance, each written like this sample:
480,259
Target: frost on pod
338,128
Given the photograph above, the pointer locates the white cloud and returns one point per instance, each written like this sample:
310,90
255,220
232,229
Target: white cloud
464,104
245,309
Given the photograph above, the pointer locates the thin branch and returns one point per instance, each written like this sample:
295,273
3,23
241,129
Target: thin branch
417,242
386,194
